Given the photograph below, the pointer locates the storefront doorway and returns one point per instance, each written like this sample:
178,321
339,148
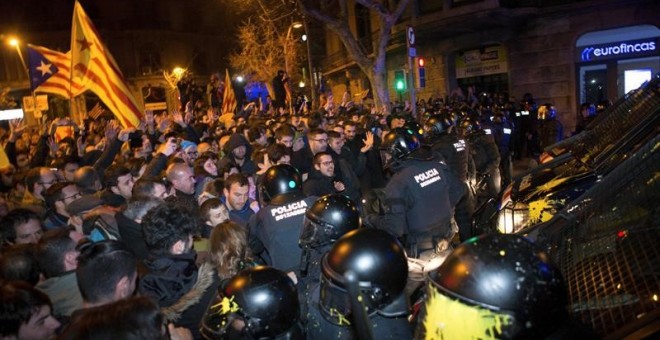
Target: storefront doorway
613,62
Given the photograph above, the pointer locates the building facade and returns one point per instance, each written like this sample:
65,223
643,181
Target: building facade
562,52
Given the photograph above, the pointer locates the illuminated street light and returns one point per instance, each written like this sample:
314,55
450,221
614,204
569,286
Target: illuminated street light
293,25
178,72
14,42
301,84
239,79
304,37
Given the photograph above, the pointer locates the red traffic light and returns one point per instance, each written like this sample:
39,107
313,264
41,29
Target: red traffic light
421,62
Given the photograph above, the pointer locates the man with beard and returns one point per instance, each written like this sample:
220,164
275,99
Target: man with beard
236,152
183,181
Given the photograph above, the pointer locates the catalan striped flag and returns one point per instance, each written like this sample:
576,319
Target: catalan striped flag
229,98
96,70
49,71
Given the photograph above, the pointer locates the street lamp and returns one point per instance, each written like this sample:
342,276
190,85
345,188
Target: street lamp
14,42
293,25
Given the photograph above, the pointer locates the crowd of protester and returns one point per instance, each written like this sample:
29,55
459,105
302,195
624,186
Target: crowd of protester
113,230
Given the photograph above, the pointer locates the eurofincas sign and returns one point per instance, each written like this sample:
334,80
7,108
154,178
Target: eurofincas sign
617,50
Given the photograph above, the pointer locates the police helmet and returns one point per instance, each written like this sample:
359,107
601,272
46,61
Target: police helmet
398,144
280,183
547,112
329,218
415,128
257,303
497,286
438,124
379,263
469,125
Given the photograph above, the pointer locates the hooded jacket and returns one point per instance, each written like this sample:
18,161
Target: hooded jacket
248,168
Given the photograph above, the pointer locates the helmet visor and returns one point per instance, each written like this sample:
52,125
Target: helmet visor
311,234
386,158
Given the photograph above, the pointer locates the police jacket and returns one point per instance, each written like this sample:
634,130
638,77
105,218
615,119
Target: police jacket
484,151
455,151
276,229
502,134
419,200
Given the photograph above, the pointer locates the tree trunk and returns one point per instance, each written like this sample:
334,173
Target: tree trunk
377,76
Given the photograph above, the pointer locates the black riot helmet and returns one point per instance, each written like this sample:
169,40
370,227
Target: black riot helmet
281,183
397,145
437,125
415,128
379,263
497,286
257,303
329,218
469,126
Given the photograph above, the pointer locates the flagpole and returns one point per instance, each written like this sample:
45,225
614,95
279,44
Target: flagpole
71,70
27,72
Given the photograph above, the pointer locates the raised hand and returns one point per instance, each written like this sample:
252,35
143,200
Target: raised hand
368,142
111,131
177,117
52,145
16,128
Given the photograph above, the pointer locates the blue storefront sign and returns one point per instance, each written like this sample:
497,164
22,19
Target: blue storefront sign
617,50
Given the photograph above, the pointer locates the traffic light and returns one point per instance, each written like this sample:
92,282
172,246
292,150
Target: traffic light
399,80
421,72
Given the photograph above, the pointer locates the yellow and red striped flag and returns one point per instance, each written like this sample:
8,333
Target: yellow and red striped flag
229,98
49,71
96,70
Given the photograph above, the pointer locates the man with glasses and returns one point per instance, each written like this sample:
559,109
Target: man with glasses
302,159
189,152
321,180
38,180
58,197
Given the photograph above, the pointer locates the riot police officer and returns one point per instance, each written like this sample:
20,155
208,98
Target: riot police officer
419,199
497,286
485,155
502,133
550,129
276,227
454,149
361,294
258,303
326,220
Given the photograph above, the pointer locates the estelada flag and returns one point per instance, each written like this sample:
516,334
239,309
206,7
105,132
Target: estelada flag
49,71
96,70
229,98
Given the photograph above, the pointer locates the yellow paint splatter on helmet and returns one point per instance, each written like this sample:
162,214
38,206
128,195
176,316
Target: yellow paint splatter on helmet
226,306
447,318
